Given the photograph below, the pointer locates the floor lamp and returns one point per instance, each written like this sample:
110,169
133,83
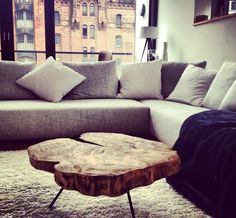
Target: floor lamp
148,33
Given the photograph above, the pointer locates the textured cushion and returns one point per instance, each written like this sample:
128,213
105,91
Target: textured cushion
37,119
167,118
141,80
51,81
229,101
220,85
10,71
171,73
192,86
101,80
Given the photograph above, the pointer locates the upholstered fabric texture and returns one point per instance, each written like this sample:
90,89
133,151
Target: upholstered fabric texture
192,86
229,101
101,80
10,71
167,118
141,80
171,73
220,85
38,119
51,81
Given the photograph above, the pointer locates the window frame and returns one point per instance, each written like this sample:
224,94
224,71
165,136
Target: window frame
57,18
92,31
84,31
57,39
85,55
92,9
119,21
84,9
118,41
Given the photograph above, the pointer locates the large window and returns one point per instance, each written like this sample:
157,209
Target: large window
39,28
85,31
92,9
118,20
92,31
84,9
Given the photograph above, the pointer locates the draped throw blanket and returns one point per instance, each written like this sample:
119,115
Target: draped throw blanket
207,150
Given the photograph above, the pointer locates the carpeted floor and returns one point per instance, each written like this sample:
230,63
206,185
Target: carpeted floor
27,192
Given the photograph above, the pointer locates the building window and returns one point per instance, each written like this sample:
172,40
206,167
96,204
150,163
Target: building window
85,53
84,9
118,41
92,49
20,38
57,18
92,9
84,31
30,38
28,1
92,31
24,15
57,39
19,15
29,15
118,20
92,56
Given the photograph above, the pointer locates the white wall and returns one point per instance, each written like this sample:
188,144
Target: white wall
140,21
214,42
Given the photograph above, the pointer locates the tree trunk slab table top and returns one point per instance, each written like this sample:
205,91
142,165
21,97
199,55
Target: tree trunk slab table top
108,164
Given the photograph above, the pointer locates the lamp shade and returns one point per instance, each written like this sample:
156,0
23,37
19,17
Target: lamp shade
149,32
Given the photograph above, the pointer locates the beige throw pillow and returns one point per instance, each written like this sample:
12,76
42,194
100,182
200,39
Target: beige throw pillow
192,86
220,85
229,101
141,80
51,81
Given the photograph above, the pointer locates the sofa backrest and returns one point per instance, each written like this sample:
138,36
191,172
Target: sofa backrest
10,71
101,80
171,73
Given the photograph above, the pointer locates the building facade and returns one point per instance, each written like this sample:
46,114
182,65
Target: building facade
80,26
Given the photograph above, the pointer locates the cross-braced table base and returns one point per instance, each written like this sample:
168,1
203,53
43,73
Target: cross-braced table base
128,194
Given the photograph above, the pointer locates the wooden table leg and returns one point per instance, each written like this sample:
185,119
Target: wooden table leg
131,205
57,196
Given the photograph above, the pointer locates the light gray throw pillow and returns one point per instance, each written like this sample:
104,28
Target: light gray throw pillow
220,85
101,80
229,101
192,86
171,73
141,80
50,80
10,71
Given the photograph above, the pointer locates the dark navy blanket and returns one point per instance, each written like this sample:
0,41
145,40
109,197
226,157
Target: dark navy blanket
207,150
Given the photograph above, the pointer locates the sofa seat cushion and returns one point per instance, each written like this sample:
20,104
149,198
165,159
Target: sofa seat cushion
167,118
37,119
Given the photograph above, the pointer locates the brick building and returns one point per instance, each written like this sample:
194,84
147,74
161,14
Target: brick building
80,26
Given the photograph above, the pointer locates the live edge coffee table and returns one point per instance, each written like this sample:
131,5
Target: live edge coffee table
104,163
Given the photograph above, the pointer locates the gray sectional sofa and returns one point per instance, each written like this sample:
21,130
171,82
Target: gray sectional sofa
23,116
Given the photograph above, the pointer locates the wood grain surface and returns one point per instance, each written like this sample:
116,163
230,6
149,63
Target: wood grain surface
113,165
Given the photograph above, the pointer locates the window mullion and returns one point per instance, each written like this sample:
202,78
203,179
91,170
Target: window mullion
49,28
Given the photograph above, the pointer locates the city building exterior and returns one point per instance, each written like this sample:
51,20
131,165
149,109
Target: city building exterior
80,26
